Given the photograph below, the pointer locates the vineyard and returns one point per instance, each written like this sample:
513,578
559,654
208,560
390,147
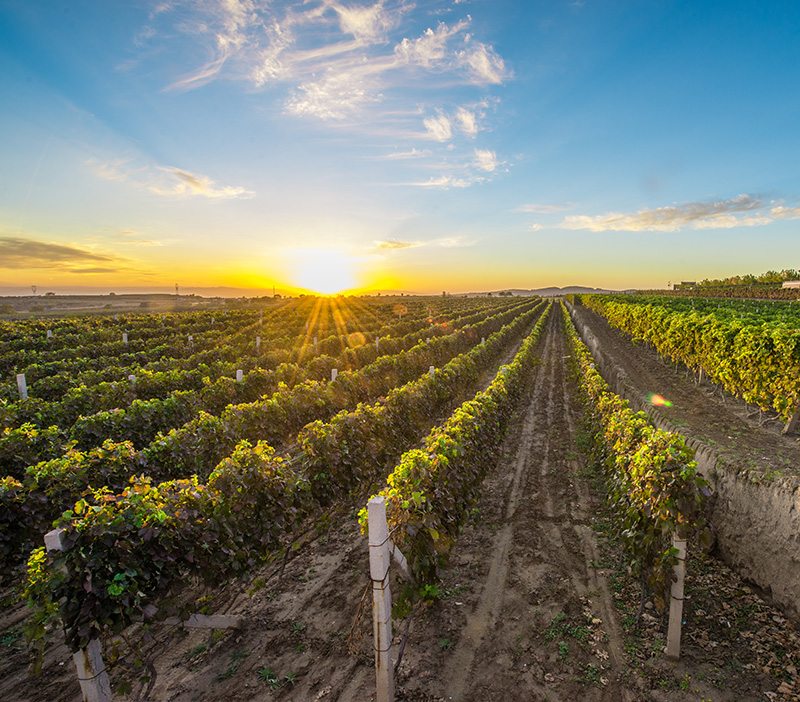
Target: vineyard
220,463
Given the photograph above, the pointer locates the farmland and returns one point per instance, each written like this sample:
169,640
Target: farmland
186,486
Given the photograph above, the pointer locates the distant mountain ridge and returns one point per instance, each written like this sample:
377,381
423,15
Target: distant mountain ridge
550,292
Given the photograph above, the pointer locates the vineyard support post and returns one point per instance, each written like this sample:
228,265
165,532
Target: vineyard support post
792,423
316,345
92,675
376,344
701,376
239,375
431,370
676,601
49,333
124,338
258,343
334,373
379,560
132,378
22,386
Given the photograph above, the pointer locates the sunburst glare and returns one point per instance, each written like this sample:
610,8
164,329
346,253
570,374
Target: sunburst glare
323,271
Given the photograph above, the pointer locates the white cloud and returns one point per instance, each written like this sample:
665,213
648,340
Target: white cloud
482,62
781,212
486,160
413,153
444,182
430,48
336,96
467,121
308,47
740,211
439,127
394,245
366,24
166,181
543,209
179,183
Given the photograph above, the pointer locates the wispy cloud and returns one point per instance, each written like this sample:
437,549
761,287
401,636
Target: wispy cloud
740,211
484,64
358,66
453,242
413,153
167,181
307,47
17,252
486,160
430,49
394,245
445,182
544,209
335,96
467,121
439,127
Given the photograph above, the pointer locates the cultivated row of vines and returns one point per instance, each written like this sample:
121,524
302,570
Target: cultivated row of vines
220,495
752,349
244,467
653,487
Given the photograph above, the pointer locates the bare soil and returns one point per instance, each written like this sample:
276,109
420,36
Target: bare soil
535,604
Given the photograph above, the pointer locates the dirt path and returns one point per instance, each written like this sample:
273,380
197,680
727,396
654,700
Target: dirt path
530,616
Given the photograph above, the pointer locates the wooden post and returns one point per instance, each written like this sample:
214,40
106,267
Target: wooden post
431,370
258,343
791,424
700,377
191,340
132,378
379,560
676,602
239,375
49,333
376,344
316,345
22,386
124,338
483,340
334,373
92,675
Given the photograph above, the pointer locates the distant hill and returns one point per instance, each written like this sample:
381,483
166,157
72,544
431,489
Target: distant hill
550,292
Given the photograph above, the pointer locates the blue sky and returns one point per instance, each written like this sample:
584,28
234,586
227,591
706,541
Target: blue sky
427,146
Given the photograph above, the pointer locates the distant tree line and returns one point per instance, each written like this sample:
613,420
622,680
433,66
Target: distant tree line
765,278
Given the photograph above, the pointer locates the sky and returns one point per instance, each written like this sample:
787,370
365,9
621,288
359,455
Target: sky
439,145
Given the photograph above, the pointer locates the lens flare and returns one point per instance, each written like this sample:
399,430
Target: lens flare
658,400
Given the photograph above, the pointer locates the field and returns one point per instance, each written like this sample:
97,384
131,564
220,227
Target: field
482,422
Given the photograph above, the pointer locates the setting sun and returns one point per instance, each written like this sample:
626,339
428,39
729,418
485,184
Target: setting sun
323,271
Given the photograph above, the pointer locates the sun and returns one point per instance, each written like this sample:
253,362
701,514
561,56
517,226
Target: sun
324,271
